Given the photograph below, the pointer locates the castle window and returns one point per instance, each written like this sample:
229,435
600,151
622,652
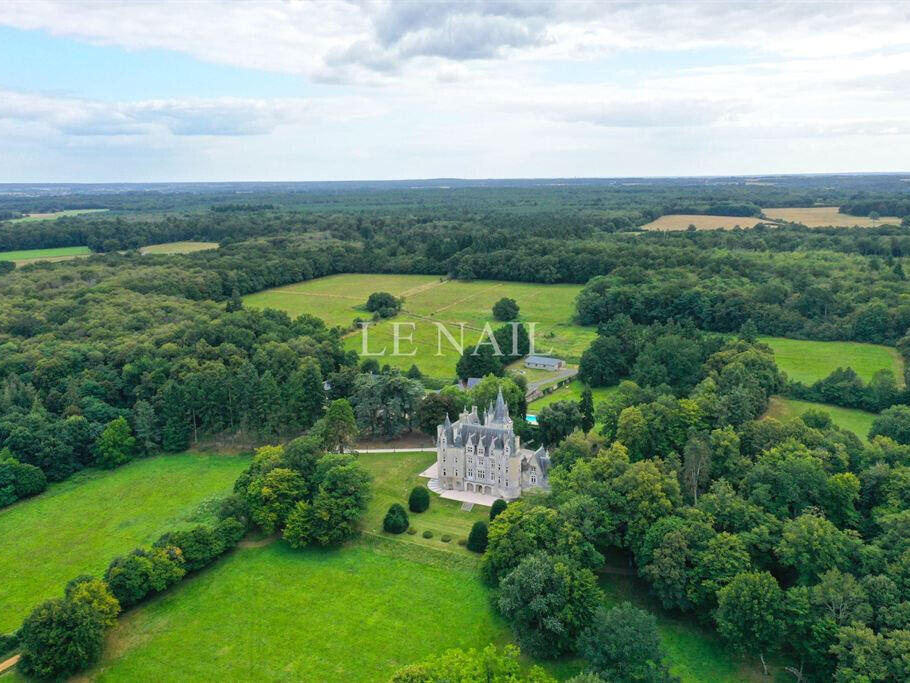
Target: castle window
480,474
533,478
470,473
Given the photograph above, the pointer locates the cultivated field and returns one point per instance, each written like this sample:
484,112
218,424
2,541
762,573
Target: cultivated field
178,247
32,217
339,299
80,525
23,257
682,221
857,421
824,216
810,361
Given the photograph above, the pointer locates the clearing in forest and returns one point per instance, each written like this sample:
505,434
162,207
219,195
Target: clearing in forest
826,216
178,247
857,421
682,221
810,361
25,256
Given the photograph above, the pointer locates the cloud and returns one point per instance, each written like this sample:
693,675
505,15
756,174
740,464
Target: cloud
223,116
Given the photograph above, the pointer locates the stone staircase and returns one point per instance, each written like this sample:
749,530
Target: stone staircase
435,486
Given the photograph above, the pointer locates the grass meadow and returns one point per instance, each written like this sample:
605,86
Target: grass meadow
825,216
178,247
80,525
26,256
810,361
339,299
357,613
570,392
682,221
857,421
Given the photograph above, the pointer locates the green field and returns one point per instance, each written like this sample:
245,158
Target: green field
80,525
570,392
178,247
31,218
857,421
339,299
810,361
32,255
274,613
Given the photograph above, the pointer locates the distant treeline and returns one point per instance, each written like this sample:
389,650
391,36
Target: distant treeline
883,206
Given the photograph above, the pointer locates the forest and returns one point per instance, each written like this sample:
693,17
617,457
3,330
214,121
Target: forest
790,539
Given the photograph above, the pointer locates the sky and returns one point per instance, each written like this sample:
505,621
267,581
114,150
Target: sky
373,89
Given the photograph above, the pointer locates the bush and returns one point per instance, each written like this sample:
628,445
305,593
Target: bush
412,530
8,642
419,500
19,480
428,534
477,539
445,538
499,505
60,638
95,594
141,572
462,542
396,520
622,644
383,304
199,545
229,531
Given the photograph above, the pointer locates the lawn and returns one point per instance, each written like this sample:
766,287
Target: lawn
682,221
570,392
339,299
32,255
857,421
178,247
273,613
80,525
810,361
824,216
32,217
394,475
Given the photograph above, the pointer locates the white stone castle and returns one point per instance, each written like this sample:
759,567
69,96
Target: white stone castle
486,457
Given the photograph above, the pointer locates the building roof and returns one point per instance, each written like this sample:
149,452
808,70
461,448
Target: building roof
543,360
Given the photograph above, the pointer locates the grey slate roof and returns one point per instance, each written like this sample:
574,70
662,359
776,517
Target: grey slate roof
543,360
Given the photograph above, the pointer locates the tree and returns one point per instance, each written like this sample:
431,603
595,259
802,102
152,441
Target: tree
602,363
505,309
95,594
336,509
144,426
749,613
419,500
116,444
432,411
60,638
478,538
499,506
272,496
557,421
337,429
696,465
383,304
894,423
235,303
548,601
305,394
723,558
479,362
586,408
396,520
812,545
622,645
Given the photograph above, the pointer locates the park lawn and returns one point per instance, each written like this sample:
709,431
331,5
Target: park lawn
570,392
32,255
78,526
810,361
338,299
178,247
31,218
274,613
857,421
394,475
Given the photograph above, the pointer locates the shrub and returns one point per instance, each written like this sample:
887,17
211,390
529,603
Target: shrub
297,529
419,500
462,541
622,644
199,545
477,539
8,642
60,638
19,480
499,505
141,572
95,594
229,531
396,520
428,534
412,530
445,538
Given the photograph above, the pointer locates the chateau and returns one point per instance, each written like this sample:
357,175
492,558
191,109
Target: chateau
486,457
